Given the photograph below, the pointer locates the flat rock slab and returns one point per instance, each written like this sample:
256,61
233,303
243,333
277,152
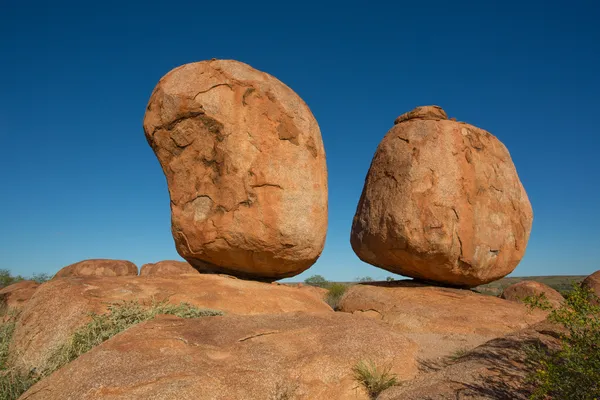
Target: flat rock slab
60,306
441,320
304,356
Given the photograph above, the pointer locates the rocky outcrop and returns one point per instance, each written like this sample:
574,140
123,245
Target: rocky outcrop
60,306
593,283
98,267
245,167
168,268
298,355
440,320
442,202
15,296
521,290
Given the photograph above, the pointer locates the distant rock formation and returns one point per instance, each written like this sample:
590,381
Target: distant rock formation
521,290
168,268
245,166
593,283
99,267
442,202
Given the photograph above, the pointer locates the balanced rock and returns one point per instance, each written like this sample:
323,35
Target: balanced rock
168,268
442,202
245,167
99,267
524,289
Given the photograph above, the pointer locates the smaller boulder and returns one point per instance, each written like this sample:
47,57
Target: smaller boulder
168,268
593,282
99,267
521,290
15,296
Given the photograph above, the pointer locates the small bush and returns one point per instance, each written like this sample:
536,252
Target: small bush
573,371
334,295
317,280
538,301
373,379
364,279
459,353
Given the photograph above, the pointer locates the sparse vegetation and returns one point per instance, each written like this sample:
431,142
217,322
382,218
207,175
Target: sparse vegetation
284,391
364,279
334,295
373,379
458,353
573,371
317,280
120,317
537,301
6,278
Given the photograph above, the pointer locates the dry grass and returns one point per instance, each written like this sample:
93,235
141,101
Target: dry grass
373,379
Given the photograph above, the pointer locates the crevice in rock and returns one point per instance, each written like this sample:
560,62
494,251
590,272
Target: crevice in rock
257,335
212,87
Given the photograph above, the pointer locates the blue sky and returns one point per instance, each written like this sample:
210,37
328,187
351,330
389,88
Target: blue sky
79,180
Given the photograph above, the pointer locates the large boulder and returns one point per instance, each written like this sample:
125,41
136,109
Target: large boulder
98,267
60,306
245,167
168,268
440,320
286,356
442,202
593,283
521,290
15,296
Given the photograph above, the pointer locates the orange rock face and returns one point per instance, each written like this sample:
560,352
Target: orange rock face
168,268
593,282
442,202
15,296
286,356
60,306
521,290
99,267
245,167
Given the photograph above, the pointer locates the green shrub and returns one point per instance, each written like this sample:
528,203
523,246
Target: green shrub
334,295
317,280
373,379
13,384
573,371
539,301
7,279
364,279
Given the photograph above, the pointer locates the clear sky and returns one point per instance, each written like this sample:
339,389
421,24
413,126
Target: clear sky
79,180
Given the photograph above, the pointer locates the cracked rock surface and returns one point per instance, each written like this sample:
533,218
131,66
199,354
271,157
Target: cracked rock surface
442,202
245,167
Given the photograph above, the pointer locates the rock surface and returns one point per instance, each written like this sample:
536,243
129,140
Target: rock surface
306,356
442,202
521,290
495,370
440,320
245,166
98,267
593,282
15,296
60,306
168,268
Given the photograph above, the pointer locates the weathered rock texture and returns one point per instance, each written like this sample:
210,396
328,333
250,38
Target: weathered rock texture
99,267
168,268
245,166
15,296
60,306
593,282
286,356
440,320
442,202
521,290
